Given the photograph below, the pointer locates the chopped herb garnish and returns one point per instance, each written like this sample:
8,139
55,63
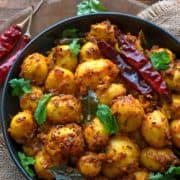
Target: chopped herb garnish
75,47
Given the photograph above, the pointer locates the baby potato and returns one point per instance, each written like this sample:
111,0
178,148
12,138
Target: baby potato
90,165
123,156
175,106
65,141
89,51
129,113
60,81
64,109
90,74
141,175
157,159
102,31
62,56
34,68
106,93
95,135
29,101
22,126
155,129
175,132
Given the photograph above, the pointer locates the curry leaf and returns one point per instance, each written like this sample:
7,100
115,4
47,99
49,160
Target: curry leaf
75,47
40,112
70,33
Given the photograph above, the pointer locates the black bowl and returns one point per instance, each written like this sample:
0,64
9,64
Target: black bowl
45,40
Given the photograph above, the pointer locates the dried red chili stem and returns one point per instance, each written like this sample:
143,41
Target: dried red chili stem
141,64
126,71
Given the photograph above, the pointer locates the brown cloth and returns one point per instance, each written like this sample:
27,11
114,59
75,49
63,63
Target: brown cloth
164,13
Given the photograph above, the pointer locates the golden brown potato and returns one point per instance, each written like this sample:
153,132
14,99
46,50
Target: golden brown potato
22,126
60,81
95,135
129,113
175,106
90,165
90,74
64,109
175,132
65,141
102,31
62,56
34,68
30,100
122,156
89,51
106,93
157,159
141,175
155,129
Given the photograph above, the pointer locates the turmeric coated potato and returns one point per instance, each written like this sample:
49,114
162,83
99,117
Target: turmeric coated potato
64,109
129,113
122,156
106,93
90,74
155,129
141,175
22,126
62,56
175,106
175,132
34,68
95,135
90,165
89,51
60,81
29,101
157,159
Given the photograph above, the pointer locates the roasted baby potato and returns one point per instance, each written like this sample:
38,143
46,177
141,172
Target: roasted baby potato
90,74
141,175
175,132
22,126
122,156
129,113
64,109
60,81
34,68
95,135
155,129
175,106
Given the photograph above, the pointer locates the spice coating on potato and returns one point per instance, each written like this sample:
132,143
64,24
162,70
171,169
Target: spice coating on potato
60,81
175,132
95,135
155,129
141,175
90,74
122,154
30,100
63,57
157,159
22,126
64,109
89,51
129,113
34,68
90,165
175,106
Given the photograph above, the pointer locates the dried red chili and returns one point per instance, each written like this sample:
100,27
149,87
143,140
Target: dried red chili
141,64
126,71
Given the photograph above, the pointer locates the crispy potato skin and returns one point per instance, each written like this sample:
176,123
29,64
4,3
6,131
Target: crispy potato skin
95,135
175,106
175,132
62,57
141,175
89,51
90,165
22,126
30,100
129,113
34,68
122,154
90,74
157,159
64,109
60,81
155,129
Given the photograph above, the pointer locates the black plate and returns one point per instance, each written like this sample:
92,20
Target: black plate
45,40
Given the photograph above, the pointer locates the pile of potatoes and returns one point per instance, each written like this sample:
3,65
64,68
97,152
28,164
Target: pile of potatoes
147,132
